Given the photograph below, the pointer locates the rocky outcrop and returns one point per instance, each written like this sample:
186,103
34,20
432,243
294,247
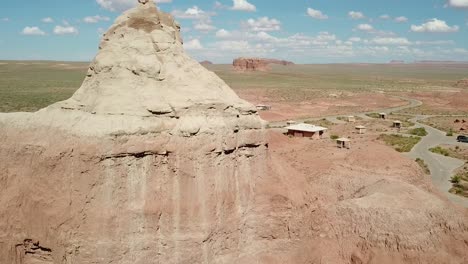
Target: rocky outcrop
156,160
462,83
257,64
152,160
206,62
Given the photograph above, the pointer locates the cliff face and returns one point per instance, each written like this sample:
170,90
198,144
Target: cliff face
257,64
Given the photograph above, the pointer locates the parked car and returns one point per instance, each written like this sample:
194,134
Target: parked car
463,139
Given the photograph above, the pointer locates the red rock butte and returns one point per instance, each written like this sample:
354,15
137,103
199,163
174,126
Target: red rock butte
156,160
257,64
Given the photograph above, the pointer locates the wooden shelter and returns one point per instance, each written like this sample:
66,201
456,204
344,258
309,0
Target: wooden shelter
361,129
397,124
351,119
344,143
383,115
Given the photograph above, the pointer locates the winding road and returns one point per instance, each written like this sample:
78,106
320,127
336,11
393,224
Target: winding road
442,168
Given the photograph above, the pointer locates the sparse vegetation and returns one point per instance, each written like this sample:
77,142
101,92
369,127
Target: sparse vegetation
421,132
460,183
334,137
441,151
450,133
423,165
373,115
399,142
322,122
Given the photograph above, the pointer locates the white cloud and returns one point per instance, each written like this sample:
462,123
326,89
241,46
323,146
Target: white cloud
263,24
222,33
5,19
435,26
204,26
66,30
356,15
193,44
121,5
458,3
365,27
355,39
232,45
47,20
95,19
243,5
192,13
401,19
33,31
391,41
317,14
385,17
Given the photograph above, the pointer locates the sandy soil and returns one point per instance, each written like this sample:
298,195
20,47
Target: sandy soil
440,102
457,125
285,110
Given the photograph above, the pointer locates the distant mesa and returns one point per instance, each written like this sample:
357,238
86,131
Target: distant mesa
440,62
257,64
205,62
397,62
462,83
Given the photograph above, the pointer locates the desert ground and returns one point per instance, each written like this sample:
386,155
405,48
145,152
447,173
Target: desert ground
296,92
423,98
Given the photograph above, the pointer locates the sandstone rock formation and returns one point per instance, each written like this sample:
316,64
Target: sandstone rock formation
205,62
151,161
257,64
462,83
156,160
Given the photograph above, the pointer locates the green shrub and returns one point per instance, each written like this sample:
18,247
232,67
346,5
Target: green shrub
399,142
450,133
421,132
440,150
455,179
373,115
334,137
423,165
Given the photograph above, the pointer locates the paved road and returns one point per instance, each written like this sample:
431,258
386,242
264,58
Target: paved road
442,168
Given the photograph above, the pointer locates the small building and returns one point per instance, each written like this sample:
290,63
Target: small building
262,107
306,130
351,119
361,129
344,143
291,122
397,124
383,115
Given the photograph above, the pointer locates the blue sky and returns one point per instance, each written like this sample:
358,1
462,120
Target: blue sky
304,31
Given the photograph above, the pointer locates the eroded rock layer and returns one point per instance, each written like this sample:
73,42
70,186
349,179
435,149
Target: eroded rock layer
257,64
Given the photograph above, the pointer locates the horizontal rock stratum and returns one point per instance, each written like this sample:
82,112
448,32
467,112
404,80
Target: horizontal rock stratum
257,64
156,160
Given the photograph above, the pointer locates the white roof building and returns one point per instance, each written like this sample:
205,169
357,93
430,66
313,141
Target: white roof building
306,128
